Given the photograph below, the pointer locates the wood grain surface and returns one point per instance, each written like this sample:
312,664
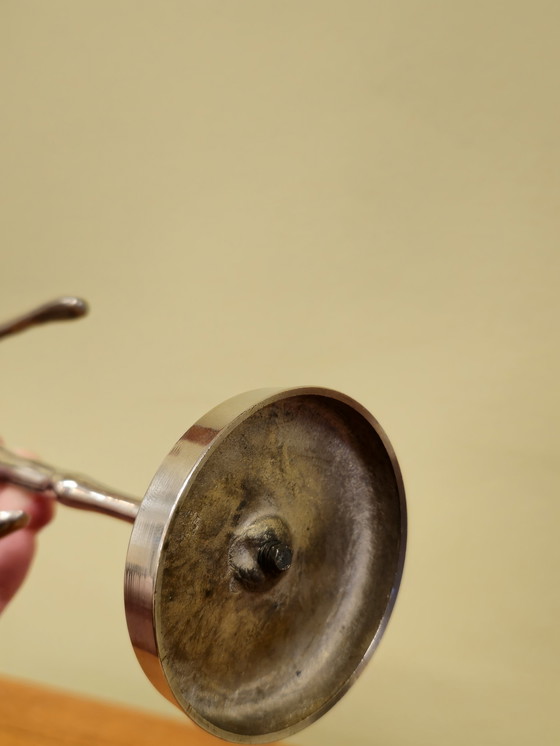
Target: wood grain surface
32,715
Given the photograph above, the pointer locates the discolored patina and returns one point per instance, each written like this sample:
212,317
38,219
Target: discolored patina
248,650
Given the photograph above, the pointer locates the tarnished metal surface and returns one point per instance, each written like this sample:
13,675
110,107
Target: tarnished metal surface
60,309
249,653
265,557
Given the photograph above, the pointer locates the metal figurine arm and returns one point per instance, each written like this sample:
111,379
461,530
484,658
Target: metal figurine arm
70,489
74,490
61,309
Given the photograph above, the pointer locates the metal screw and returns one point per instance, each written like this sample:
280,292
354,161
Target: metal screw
274,557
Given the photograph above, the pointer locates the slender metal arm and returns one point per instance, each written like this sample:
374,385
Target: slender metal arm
70,489
61,309
74,490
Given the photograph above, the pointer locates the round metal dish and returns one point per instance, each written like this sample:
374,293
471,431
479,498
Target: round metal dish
265,560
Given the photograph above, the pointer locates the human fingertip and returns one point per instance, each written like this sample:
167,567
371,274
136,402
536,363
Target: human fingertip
44,509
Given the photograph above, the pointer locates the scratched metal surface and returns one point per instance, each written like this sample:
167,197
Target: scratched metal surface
261,657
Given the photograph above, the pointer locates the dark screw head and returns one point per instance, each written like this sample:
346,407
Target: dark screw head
275,557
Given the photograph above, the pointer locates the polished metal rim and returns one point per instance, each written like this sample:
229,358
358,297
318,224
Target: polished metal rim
173,480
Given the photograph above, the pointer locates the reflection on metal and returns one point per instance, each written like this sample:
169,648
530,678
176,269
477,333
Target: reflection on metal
264,560
61,309
12,520
19,470
73,490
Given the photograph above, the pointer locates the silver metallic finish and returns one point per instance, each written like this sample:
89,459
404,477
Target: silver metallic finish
256,664
60,309
74,490
265,557
12,520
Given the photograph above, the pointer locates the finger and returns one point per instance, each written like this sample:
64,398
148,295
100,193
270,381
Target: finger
39,507
16,555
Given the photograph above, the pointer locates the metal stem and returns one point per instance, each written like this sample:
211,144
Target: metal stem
61,309
74,490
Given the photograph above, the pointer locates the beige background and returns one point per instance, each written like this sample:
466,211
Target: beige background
351,194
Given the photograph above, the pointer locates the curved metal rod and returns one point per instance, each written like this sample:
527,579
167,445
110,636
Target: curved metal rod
71,489
61,309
